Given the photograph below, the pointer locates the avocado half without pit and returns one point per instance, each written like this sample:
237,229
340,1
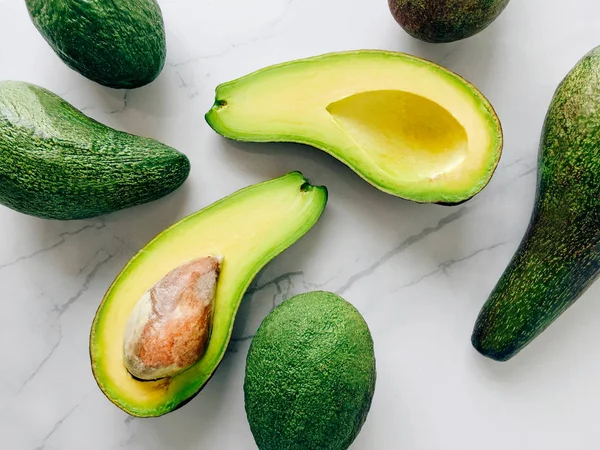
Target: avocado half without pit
165,323
409,127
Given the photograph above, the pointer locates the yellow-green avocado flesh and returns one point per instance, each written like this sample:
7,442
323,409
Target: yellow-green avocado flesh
248,228
409,127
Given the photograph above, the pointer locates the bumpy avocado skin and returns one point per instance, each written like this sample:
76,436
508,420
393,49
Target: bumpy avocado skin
57,163
440,21
116,44
559,256
310,375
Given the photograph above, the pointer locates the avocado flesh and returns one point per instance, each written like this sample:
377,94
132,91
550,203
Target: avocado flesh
407,126
439,21
117,44
249,228
57,163
559,255
310,375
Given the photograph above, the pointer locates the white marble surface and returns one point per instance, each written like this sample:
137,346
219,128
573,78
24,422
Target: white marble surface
418,273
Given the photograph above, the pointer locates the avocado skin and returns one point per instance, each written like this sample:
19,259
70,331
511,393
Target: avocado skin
439,21
57,163
115,44
310,375
559,255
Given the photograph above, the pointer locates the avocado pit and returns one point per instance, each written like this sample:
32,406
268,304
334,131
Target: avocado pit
168,329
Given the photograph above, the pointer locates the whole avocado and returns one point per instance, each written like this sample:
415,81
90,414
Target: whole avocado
310,375
57,163
440,21
117,44
558,258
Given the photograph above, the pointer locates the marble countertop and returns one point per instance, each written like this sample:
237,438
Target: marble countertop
418,273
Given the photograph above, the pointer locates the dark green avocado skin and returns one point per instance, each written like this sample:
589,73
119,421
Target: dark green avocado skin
441,21
310,375
57,163
559,256
119,44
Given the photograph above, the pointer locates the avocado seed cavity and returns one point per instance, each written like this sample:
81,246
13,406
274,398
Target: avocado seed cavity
168,330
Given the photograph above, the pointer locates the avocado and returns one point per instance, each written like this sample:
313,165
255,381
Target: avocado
245,230
445,20
57,163
407,126
559,255
116,44
310,375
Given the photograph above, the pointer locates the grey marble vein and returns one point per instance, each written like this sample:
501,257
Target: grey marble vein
260,37
277,293
231,46
61,309
125,442
124,107
527,172
199,58
520,163
62,238
283,15
283,277
408,242
277,281
288,276
183,84
444,266
187,85
63,94
43,362
56,427
128,420
131,249
448,56
515,162
243,338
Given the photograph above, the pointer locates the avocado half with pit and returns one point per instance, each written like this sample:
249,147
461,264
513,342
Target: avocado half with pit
409,127
246,230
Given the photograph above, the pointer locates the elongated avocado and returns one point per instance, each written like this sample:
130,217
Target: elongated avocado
119,44
440,21
559,255
310,375
246,229
57,163
407,126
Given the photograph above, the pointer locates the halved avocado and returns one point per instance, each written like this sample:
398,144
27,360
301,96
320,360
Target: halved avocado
248,228
408,126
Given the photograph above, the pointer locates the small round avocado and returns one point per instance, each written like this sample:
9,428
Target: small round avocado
310,375
440,21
